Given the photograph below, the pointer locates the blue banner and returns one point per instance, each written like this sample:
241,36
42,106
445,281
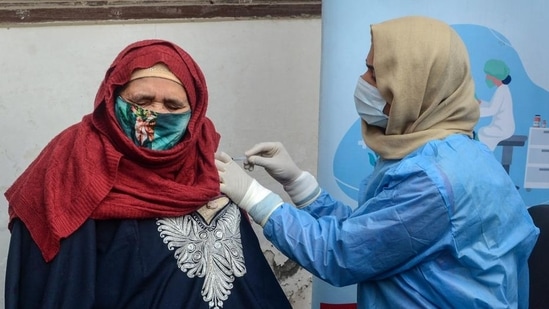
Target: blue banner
502,37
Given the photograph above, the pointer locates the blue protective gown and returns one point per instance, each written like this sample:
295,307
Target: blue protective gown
443,227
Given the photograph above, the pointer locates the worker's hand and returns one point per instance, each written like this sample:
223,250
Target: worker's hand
301,186
245,191
276,161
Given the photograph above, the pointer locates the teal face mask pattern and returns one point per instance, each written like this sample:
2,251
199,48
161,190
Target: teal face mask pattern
157,131
489,83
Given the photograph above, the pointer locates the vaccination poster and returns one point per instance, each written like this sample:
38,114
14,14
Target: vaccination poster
506,39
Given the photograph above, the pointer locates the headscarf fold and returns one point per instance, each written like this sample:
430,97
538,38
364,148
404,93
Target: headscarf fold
422,70
93,170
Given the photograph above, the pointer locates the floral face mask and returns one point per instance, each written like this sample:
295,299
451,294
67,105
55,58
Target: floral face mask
157,131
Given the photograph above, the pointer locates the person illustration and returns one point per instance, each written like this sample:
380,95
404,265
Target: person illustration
500,106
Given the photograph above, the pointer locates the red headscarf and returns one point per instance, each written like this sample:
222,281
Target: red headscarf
93,170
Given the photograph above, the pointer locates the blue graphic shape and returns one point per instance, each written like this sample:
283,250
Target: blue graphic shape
528,98
353,159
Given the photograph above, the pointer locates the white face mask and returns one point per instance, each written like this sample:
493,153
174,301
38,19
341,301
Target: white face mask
370,104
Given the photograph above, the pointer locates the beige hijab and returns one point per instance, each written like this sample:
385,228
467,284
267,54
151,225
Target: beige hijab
422,70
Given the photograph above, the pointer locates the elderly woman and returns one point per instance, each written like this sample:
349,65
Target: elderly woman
439,223
123,210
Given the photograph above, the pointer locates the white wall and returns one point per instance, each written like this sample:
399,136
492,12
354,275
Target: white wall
263,80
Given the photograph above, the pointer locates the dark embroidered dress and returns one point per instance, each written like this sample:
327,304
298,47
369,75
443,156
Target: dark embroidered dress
127,264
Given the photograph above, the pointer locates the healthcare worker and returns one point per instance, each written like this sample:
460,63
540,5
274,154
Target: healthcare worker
439,223
500,107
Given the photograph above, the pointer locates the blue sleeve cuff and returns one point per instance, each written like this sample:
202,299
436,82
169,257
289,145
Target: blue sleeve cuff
304,190
261,211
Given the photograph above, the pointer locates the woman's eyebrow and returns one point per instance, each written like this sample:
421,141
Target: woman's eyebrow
137,96
148,96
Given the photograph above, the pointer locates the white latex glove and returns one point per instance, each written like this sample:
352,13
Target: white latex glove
234,182
245,191
276,161
301,186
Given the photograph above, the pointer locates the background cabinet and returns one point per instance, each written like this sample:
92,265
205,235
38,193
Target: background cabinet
537,159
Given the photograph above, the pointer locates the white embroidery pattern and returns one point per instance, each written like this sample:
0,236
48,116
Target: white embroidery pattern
213,251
